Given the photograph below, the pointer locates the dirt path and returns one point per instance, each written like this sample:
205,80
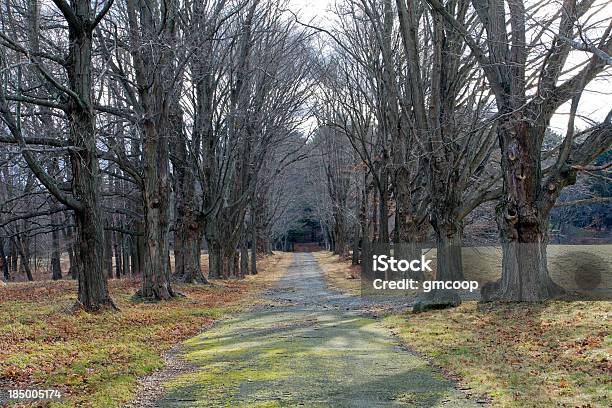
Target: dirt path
309,347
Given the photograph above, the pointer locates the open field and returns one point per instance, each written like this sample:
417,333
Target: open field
524,355
95,359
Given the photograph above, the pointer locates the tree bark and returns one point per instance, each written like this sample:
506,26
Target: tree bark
108,252
56,266
24,256
244,255
448,253
191,243
4,262
117,246
125,242
522,221
93,292
214,258
73,269
253,244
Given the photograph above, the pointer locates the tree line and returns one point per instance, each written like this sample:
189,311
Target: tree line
429,109
136,129
132,126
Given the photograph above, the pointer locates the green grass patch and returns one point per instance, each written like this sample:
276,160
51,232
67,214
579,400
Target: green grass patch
96,359
536,355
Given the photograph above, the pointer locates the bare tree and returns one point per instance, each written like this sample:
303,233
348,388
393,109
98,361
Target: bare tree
511,69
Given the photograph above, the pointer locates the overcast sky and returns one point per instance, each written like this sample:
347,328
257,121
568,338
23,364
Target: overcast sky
595,102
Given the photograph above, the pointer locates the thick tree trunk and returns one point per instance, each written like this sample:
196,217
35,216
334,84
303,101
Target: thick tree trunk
214,259
522,217
192,270
449,266
233,260
448,253
407,234
189,227
244,256
156,276
93,292
24,256
154,74
525,275
156,283
340,244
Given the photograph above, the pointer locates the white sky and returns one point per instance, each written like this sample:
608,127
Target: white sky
595,102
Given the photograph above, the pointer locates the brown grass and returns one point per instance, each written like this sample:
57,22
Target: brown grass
95,359
339,273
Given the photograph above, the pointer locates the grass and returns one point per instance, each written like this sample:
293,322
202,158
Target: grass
339,273
521,355
537,355
96,359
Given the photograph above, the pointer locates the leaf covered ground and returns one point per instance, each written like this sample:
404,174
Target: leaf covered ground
95,359
521,355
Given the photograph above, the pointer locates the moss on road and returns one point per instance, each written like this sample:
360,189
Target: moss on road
315,350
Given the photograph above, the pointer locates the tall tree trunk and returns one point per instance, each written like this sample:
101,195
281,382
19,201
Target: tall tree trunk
244,255
24,256
155,276
4,262
73,269
448,253
407,234
154,73
253,244
13,256
117,246
125,242
93,292
56,266
355,254
214,258
522,220
189,228
340,245
192,242
108,252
